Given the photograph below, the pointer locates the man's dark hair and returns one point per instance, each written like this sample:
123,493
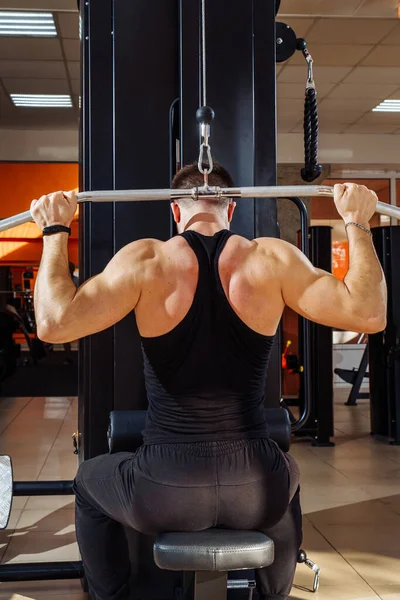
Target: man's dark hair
190,177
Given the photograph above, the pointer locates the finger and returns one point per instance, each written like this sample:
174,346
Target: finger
71,197
55,197
33,204
44,199
339,190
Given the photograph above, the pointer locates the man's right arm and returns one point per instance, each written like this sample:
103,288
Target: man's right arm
359,302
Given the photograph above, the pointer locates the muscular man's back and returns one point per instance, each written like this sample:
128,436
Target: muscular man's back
204,365
247,269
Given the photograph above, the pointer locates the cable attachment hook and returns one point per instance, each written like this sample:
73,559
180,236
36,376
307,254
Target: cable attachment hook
205,158
205,116
302,46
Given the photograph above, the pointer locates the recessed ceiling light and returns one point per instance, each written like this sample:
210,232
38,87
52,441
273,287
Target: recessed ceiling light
27,23
388,106
42,100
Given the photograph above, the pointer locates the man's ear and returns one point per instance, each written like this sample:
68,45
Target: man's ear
176,211
231,210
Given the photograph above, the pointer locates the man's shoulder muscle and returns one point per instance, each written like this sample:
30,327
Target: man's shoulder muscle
138,260
150,260
284,253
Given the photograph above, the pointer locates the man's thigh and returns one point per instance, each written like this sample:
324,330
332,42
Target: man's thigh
107,483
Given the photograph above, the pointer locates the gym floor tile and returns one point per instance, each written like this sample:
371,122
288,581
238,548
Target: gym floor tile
14,403
6,534
383,490
51,469
49,502
360,592
360,447
47,520
388,592
22,431
18,450
25,473
322,475
334,567
368,512
6,418
34,460
370,473
3,548
315,498
36,546
40,415
392,502
19,502
36,589
372,550
43,401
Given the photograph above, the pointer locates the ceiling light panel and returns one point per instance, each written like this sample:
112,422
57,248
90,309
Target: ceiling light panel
37,24
42,100
388,106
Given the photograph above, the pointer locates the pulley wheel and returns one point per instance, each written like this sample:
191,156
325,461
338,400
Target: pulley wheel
286,42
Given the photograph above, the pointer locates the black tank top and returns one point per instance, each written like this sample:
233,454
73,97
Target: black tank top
205,379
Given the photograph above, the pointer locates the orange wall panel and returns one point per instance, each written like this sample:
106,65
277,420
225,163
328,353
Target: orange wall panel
340,259
20,183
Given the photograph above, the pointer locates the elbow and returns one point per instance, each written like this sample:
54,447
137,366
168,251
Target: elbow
370,317
50,332
375,325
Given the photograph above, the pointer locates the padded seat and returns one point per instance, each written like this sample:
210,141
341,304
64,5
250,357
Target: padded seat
213,550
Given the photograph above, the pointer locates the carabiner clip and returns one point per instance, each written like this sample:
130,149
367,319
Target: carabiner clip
206,172
310,62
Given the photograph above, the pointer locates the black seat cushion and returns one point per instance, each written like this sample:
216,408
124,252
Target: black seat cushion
213,550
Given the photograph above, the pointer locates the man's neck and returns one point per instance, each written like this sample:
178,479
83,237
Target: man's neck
205,223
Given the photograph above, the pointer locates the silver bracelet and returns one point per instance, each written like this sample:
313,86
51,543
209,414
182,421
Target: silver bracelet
359,226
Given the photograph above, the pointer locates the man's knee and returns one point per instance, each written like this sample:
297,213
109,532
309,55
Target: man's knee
84,472
77,484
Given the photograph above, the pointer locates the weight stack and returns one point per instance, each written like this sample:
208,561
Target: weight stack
384,348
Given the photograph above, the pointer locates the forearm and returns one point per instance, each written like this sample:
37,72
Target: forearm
365,280
54,289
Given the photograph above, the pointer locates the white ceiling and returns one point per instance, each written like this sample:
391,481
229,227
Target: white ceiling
341,8
41,66
355,45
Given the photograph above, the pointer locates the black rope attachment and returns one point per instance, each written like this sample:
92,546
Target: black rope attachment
312,169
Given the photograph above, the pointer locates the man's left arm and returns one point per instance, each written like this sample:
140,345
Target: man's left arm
65,313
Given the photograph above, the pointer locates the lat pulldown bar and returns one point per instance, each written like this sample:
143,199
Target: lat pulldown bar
198,193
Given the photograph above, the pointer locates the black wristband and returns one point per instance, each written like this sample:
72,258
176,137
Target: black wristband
52,229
